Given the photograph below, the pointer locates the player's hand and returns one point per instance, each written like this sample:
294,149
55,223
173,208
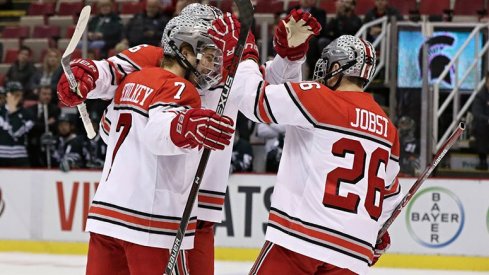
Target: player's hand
292,34
85,73
201,127
381,247
225,33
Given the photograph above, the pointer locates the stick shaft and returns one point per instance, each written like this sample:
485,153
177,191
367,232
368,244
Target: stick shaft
426,173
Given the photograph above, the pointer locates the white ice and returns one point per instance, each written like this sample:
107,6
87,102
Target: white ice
42,264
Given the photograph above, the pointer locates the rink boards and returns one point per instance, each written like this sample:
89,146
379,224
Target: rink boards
446,225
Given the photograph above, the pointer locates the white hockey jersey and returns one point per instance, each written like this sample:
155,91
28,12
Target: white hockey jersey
144,186
213,187
337,181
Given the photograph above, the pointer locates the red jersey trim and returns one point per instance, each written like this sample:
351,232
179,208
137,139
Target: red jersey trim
322,236
140,221
393,189
211,200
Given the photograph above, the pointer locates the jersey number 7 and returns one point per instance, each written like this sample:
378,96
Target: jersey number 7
376,186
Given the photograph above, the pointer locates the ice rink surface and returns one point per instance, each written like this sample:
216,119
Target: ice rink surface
41,264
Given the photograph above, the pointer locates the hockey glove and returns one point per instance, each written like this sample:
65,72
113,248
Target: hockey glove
85,73
201,127
225,33
292,34
381,247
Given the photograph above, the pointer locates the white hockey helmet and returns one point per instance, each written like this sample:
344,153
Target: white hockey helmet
355,56
202,11
192,30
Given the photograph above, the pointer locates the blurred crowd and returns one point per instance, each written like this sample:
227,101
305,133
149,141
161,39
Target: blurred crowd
36,131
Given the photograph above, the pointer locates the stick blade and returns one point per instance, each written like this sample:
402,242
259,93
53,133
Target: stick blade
79,29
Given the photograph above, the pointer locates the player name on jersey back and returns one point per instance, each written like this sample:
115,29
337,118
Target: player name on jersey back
372,122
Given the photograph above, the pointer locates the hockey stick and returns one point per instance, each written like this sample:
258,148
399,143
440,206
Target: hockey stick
65,63
245,9
426,173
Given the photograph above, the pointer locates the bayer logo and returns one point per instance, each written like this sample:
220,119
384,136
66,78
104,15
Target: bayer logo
435,217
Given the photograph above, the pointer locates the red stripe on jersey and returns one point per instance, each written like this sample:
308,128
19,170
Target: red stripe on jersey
392,189
105,124
117,73
297,227
368,54
212,200
262,108
126,217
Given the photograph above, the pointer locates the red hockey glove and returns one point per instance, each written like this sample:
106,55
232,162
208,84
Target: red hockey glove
201,127
292,34
381,247
85,73
225,33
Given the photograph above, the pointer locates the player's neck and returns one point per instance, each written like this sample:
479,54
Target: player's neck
176,69
349,87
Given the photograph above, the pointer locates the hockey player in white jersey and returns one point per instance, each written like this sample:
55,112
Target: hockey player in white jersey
337,180
284,67
157,125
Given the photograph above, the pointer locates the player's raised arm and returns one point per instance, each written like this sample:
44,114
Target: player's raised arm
100,78
291,42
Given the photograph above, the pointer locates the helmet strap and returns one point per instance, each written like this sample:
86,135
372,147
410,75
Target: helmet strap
182,60
338,72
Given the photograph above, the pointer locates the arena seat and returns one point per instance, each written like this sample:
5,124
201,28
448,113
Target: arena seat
434,7
11,56
46,31
32,20
404,7
132,7
15,32
468,7
363,6
9,44
70,8
63,22
38,8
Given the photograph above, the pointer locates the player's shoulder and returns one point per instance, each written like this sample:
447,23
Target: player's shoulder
142,56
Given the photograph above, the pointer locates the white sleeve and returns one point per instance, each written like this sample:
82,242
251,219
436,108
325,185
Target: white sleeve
393,194
105,84
156,133
265,103
110,74
281,70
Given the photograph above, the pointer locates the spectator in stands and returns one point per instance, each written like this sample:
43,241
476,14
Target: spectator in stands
95,149
147,27
274,143
104,29
345,22
23,71
242,158
37,152
317,43
480,110
15,124
68,152
50,64
380,9
2,96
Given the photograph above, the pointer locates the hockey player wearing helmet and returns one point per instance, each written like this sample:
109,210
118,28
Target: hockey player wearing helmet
337,180
158,127
285,66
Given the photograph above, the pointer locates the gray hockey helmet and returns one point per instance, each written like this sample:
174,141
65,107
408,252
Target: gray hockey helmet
202,11
192,30
355,56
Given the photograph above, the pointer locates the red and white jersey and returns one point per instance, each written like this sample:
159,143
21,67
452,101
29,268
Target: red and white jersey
213,187
144,189
337,181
